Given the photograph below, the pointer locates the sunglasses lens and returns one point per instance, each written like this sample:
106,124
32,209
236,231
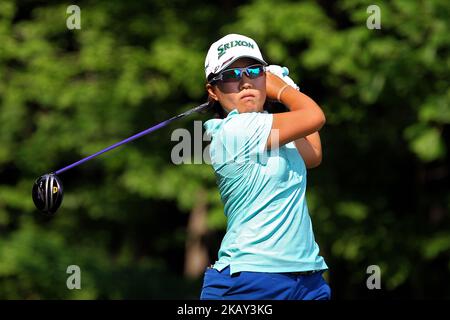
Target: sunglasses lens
255,72
231,75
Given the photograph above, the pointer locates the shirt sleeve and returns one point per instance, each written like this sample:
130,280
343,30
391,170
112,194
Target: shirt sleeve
246,134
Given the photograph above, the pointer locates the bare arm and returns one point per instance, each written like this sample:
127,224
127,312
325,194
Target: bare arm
310,148
303,120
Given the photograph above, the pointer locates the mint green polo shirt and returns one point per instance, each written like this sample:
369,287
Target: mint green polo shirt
263,192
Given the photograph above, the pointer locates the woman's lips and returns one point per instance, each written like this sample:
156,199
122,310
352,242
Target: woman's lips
248,96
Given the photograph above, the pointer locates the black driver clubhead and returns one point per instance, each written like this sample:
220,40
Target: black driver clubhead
47,194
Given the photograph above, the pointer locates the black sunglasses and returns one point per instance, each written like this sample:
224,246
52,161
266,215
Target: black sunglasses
235,74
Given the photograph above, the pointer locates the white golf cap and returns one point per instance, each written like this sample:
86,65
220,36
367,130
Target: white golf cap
227,50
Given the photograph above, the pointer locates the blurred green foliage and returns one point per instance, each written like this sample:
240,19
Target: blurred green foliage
381,195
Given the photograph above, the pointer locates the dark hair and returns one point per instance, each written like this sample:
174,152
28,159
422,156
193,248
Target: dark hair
217,109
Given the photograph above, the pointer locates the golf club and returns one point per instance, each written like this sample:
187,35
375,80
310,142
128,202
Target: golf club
47,190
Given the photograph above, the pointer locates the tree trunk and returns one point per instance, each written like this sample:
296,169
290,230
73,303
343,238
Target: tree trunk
196,258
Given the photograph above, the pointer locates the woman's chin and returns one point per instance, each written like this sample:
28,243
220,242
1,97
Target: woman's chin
250,106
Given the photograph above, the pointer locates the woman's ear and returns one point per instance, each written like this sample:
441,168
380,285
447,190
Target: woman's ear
211,92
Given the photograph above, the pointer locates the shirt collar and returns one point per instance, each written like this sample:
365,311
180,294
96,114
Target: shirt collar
233,112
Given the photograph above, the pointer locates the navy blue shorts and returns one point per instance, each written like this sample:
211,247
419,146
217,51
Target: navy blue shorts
263,286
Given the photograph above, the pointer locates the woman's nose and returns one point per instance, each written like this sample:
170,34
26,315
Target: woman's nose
245,83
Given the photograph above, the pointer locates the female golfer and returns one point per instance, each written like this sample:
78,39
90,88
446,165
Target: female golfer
260,161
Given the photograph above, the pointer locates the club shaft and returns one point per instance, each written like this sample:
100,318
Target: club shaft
136,136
